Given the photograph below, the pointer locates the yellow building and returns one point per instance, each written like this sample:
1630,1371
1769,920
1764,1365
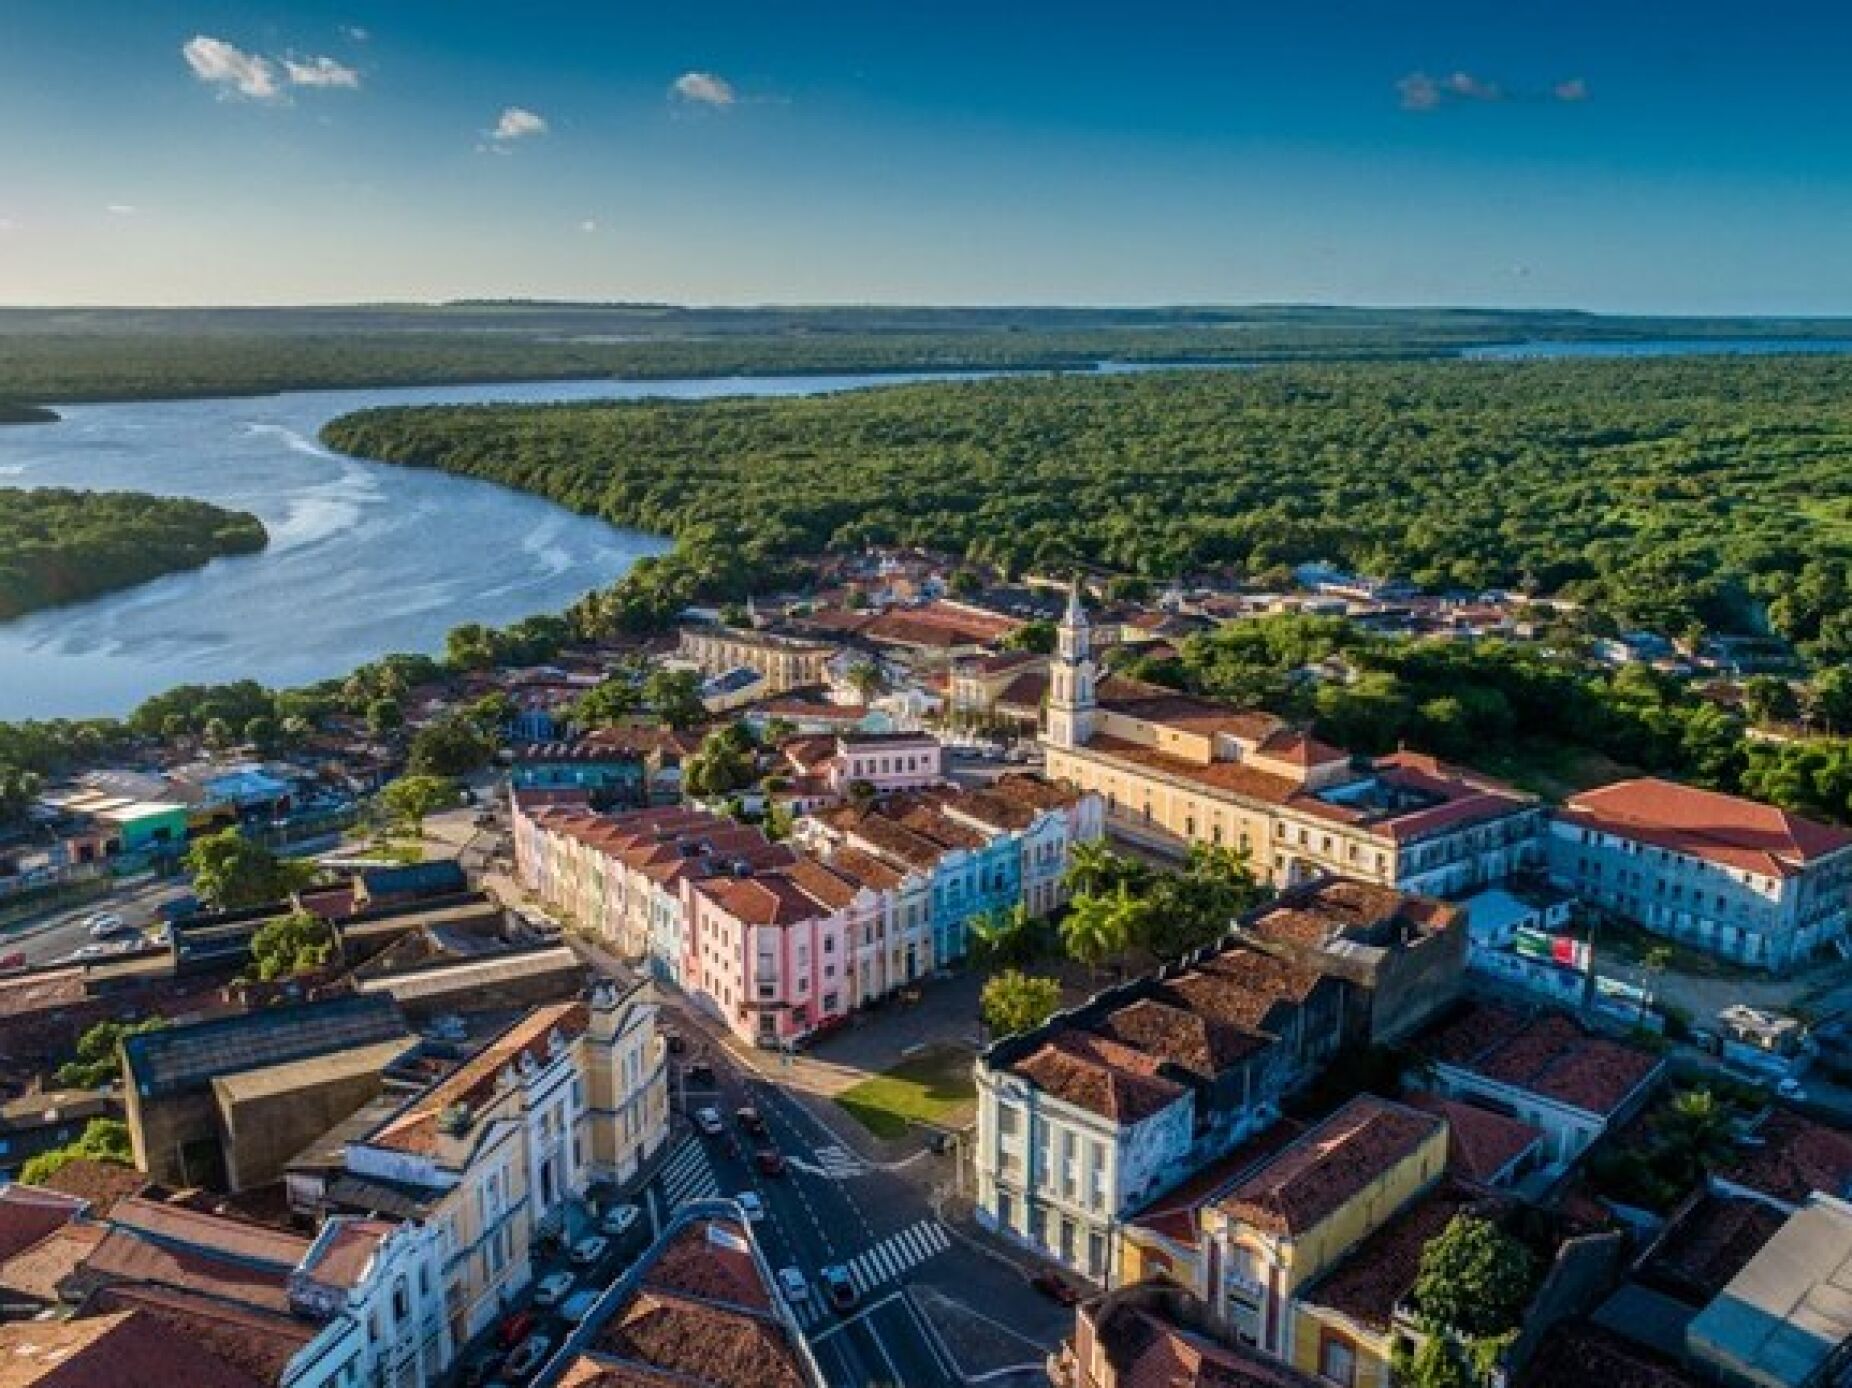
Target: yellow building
1295,1215
1176,770
491,1154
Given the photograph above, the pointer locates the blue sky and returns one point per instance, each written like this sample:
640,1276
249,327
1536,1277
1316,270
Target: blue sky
1632,155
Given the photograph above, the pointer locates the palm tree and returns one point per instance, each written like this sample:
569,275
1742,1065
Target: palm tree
1005,937
1094,929
867,680
1091,866
1696,1128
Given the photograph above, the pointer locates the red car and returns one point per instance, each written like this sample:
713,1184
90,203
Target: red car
516,1329
770,1161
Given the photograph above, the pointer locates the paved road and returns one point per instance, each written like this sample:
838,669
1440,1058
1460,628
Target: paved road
57,934
835,1208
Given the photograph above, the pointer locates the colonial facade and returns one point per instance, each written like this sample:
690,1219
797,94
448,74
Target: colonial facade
780,939
1731,877
489,1156
785,662
1176,770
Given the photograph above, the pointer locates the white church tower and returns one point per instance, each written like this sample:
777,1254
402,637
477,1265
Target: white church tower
1071,677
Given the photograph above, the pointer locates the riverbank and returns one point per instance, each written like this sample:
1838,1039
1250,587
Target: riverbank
60,546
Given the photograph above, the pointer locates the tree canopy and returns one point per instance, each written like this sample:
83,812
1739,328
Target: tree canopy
230,871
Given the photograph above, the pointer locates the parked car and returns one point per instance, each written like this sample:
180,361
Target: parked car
516,1328
708,1121
837,1286
751,1120
553,1289
619,1219
1055,1287
588,1252
482,1370
576,1307
105,924
770,1161
751,1205
791,1282
530,1356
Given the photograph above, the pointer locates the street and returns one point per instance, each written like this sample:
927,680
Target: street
60,933
833,1208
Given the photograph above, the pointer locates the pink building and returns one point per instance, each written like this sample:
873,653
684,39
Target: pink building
887,761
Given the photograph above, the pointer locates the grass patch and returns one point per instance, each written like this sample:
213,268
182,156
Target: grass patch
1553,769
931,1087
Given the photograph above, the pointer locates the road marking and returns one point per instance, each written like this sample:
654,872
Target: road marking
687,1176
897,1254
848,1321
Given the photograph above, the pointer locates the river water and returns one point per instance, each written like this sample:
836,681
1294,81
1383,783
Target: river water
364,558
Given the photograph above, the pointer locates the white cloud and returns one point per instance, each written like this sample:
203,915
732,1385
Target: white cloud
356,33
230,69
1421,92
704,89
1470,88
518,123
588,226
1570,89
121,209
320,72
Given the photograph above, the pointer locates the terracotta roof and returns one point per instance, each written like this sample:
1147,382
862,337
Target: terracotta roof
768,899
1100,1076
39,1272
1743,834
1332,908
346,1249
1155,704
1381,1270
1243,987
702,1342
1300,749
866,868
1316,1176
1177,1214
1229,777
1798,1156
1026,691
1577,1354
1480,1143
1201,1045
587,1372
1708,1242
258,1342
476,1082
232,1238
29,1213
1147,1351
95,1352
704,1264
1548,1055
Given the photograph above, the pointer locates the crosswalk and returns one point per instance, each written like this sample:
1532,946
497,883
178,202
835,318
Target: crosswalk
686,1176
831,1161
897,1253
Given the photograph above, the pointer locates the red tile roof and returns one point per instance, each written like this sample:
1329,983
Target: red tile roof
1549,1055
1147,1351
29,1213
414,1129
1726,829
1330,1165
39,1272
96,1352
1578,1355
1202,1045
1797,1157
1100,1076
257,1342
1481,1144
1381,1270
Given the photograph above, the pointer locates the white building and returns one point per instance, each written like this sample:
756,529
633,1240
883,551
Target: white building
1731,877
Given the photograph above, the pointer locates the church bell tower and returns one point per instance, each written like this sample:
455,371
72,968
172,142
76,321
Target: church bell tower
1071,678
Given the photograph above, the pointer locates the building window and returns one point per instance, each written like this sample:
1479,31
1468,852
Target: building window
1337,1362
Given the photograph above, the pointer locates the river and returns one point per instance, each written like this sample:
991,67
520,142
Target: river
364,558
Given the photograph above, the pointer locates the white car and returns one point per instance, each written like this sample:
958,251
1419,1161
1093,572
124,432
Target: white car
791,1282
530,1355
708,1121
105,924
618,1221
748,1201
553,1289
586,1252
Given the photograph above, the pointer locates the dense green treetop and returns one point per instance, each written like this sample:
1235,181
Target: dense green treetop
60,546
1670,493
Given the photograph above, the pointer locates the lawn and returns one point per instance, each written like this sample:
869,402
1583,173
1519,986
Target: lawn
933,1087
